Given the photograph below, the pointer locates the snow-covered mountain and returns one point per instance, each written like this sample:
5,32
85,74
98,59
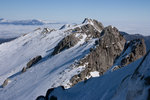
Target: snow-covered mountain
24,22
61,63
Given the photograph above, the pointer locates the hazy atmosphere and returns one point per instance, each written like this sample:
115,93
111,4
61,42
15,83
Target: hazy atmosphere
77,10
134,14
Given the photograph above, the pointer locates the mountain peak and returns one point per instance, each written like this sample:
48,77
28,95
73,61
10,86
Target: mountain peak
86,20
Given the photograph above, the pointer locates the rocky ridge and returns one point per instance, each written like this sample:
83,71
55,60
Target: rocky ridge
78,33
133,50
101,58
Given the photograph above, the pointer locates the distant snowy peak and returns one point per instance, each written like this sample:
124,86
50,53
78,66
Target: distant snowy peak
24,22
98,25
87,20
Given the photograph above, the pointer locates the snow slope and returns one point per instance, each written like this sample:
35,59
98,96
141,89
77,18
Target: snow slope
49,72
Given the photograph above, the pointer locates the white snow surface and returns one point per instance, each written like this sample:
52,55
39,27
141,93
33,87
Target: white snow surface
51,71
94,74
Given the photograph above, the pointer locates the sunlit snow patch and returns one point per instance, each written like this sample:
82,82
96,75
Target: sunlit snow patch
94,74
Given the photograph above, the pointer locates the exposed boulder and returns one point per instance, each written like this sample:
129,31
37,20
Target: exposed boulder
23,69
5,82
109,46
33,61
65,43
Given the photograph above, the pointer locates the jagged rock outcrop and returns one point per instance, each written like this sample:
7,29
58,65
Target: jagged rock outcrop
92,28
138,49
65,43
98,25
109,46
33,61
133,50
5,82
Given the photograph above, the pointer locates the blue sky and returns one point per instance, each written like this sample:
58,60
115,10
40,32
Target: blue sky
77,10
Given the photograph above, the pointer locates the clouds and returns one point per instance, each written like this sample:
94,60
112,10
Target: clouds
132,27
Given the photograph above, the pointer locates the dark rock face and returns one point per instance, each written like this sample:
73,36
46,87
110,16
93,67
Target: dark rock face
53,98
148,97
64,26
49,95
33,61
92,28
133,50
109,46
99,26
40,98
65,43
90,31
147,80
48,92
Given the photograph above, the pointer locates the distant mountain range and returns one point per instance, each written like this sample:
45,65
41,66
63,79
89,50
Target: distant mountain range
25,22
